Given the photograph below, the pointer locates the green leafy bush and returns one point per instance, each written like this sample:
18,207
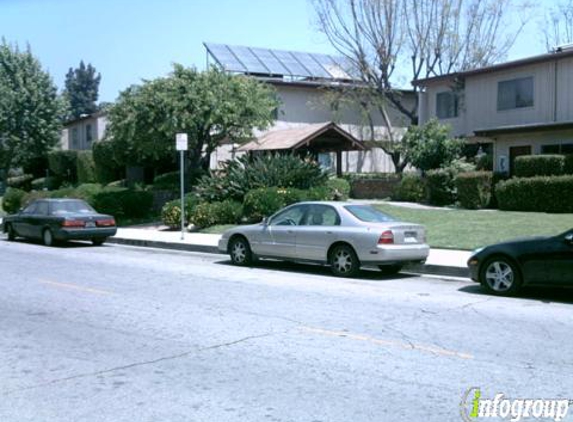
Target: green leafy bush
541,194
263,202
539,165
474,189
64,164
568,165
223,212
106,167
339,189
88,191
244,174
117,184
85,167
441,188
123,202
171,211
23,182
411,188
13,200
49,183
167,181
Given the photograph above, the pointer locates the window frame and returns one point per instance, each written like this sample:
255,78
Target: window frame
453,106
515,104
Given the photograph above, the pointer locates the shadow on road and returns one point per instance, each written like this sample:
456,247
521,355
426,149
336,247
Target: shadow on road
314,269
545,295
60,245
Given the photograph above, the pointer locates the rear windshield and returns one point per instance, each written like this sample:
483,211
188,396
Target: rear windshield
67,207
368,214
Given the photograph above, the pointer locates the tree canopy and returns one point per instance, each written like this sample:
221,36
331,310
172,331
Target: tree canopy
81,90
30,110
211,107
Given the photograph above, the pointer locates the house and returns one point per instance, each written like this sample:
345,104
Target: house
304,83
81,133
515,108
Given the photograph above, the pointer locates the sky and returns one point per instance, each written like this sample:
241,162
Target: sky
130,40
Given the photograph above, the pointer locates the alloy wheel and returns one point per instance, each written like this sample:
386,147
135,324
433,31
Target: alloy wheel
499,276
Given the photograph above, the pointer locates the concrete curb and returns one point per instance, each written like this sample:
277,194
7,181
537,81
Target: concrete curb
440,270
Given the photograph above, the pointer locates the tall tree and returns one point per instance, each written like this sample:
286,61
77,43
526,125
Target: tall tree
558,25
81,92
211,107
30,110
429,37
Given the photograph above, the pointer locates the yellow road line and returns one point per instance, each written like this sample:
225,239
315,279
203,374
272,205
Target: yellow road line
76,287
393,343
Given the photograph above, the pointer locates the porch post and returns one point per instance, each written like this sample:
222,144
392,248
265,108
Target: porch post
338,163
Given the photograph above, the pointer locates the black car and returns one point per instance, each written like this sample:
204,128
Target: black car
52,220
504,267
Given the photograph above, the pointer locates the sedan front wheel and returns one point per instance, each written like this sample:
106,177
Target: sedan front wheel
500,276
240,251
344,262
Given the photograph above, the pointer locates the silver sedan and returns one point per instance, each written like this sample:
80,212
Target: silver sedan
343,235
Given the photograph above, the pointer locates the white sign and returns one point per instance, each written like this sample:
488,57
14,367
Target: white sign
181,142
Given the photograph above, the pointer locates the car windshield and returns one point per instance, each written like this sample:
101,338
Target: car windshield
67,207
368,214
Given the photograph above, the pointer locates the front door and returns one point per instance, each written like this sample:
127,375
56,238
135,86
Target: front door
515,152
23,224
278,238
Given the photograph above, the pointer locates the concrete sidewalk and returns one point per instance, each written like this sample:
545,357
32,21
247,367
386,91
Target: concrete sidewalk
442,262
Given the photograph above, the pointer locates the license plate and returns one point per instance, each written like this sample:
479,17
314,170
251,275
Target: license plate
90,225
410,234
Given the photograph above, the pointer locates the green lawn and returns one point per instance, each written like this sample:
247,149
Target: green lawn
464,229
218,229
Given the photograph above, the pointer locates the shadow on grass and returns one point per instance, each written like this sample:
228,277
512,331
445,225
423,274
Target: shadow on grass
550,294
315,269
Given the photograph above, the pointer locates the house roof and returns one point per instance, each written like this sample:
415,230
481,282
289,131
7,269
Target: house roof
326,136
534,127
547,57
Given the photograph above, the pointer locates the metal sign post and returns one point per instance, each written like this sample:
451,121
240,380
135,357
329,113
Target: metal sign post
181,146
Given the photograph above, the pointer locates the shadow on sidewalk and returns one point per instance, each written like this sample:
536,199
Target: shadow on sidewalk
315,269
542,294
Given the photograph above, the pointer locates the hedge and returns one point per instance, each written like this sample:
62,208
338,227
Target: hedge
568,166
64,164
23,181
12,200
85,167
441,188
123,202
106,168
264,202
223,212
167,181
539,165
474,189
411,188
541,194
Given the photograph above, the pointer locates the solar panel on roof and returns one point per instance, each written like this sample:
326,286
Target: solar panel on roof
264,61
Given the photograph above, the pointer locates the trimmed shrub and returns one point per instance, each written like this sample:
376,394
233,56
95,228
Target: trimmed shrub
244,174
171,211
85,167
539,165
13,200
106,167
49,183
568,165
23,182
339,189
411,188
541,194
167,181
474,189
64,164
264,202
209,214
441,189
117,184
122,202
87,191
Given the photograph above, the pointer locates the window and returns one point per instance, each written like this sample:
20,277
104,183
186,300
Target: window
322,215
516,93
557,149
368,214
290,217
30,209
75,137
446,105
89,135
42,208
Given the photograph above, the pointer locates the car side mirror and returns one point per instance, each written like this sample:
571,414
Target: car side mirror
569,239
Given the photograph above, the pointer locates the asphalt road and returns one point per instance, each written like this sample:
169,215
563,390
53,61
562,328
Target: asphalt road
125,334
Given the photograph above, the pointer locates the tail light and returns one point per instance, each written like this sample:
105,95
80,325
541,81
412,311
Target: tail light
386,238
109,222
73,223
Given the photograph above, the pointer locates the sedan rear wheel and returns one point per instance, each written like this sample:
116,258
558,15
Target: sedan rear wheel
48,237
240,251
11,232
500,276
344,262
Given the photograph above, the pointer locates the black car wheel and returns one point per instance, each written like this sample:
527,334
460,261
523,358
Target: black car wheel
500,276
390,269
11,232
98,241
344,262
240,251
48,237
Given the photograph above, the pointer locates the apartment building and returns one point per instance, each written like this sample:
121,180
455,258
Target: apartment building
81,133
